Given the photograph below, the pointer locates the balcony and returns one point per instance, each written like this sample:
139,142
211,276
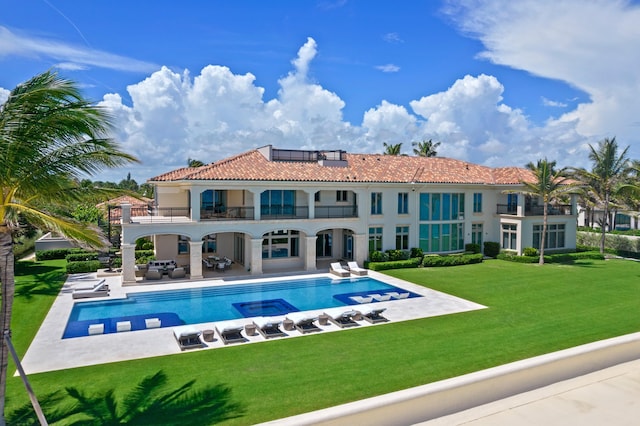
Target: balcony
335,212
228,213
552,210
160,215
284,212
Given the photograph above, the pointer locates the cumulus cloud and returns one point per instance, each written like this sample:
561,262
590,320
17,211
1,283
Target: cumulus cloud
555,104
589,45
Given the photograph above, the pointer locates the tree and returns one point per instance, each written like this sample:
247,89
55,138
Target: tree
194,163
392,149
425,148
549,185
50,137
609,176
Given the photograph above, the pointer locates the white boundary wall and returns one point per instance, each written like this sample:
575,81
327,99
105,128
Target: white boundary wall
450,396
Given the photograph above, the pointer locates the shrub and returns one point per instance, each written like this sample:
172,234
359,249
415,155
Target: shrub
530,251
491,248
143,253
381,266
378,256
397,255
144,244
416,252
55,253
511,257
472,247
464,259
76,257
83,266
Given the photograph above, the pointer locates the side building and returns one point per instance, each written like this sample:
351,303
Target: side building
273,210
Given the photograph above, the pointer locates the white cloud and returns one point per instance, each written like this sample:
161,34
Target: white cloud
550,103
589,45
12,44
4,95
388,68
392,38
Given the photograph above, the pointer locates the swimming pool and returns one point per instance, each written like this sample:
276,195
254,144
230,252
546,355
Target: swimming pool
219,303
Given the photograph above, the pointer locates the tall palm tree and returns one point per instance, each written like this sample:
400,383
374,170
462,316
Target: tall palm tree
425,148
549,185
50,137
392,149
609,176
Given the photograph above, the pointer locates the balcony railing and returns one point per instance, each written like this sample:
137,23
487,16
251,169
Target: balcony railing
331,212
552,210
228,213
284,212
160,214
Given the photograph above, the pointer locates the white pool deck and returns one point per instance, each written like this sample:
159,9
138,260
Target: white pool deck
49,351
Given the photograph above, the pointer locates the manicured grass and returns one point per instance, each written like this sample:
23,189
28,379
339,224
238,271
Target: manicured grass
532,310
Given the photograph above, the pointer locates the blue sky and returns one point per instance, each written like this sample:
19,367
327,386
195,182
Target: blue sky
497,82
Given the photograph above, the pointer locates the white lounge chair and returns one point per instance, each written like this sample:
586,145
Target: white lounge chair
304,323
100,290
337,269
381,297
361,299
341,317
96,329
123,326
231,333
187,338
373,316
269,327
356,270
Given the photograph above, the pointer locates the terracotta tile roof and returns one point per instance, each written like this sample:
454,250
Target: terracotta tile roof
143,201
253,166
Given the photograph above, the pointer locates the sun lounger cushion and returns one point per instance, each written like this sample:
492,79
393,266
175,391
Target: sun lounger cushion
152,322
123,326
263,322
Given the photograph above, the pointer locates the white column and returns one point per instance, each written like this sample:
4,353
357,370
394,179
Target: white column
195,204
256,256
195,259
311,200
520,207
128,263
360,248
310,253
256,206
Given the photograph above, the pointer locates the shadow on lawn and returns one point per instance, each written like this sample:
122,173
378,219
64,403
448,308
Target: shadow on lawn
47,279
149,403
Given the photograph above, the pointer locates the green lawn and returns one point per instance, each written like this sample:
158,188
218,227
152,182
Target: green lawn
532,310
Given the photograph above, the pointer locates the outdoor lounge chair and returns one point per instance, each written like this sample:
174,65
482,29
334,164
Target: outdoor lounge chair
373,315
337,269
304,323
92,285
187,338
269,327
356,270
396,295
381,297
231,333
342,318
123,326
100,290
361,299
153,274
177,273
96,329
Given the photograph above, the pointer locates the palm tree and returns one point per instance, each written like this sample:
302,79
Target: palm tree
392,149
50,137
609,177
194,163
549,185
425,148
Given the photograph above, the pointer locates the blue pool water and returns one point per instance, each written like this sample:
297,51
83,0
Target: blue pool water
210,304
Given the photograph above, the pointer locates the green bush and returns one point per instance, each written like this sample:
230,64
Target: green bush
530,251
398,264
144,244
83,266
464,259
416,252
77,257
378,256
56,253
511,257
394,255
491,248
472,247
143,253
553,258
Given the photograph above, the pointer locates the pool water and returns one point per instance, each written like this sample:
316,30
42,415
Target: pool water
219,303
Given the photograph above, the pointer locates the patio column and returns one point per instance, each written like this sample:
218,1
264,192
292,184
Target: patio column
360,248
128,263
256,205
195,259
310,255
520,206
256,256
311,201
195,204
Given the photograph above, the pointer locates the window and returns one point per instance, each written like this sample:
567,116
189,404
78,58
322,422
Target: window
375,239
554,238
183,244
476,234
280,244
510,236
402,238
209,244
376,203
316,197
341,195
213,201
403,203
477,202
441,207
277,202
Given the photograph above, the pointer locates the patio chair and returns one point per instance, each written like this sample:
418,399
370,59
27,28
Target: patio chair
101,290
396,295
373,316
208,264
231,333
337,269
356,270
177,273
304,323
342,318
269,327
153,274
381,297
187,338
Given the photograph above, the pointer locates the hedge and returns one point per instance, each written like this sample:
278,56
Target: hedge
77,257
56,253
464,259
396,264
83,266
491,249
552,258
